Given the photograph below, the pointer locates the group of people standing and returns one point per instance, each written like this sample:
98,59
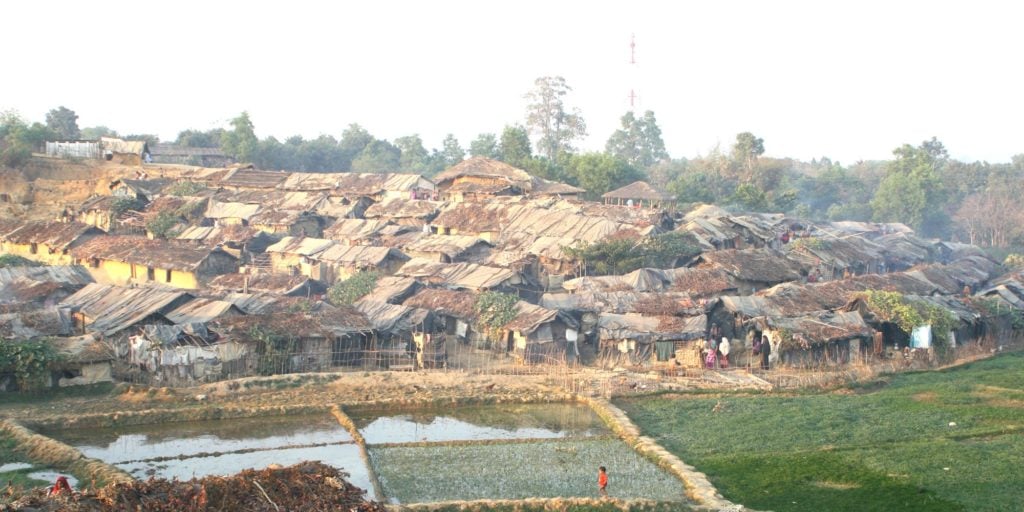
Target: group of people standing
717,347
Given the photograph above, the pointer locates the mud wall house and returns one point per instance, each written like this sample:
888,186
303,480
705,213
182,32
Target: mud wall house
86,360
125,260
293,255
541,335
30,288
49,242
479,179
406,337
286,342
355,231
186,155
638,339
813,340
448,249
288,223
832,258
141,189
340,262
96,211
752,269
456,311
278,284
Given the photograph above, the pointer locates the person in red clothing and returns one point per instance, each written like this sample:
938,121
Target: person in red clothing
602,481
61,486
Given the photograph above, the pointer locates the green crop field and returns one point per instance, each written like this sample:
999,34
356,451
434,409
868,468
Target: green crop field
562,468
942,440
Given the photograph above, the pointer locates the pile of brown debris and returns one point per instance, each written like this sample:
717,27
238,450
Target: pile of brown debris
308,486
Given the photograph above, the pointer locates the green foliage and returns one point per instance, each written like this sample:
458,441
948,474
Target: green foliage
621,256
1014,260
276,349
600,172
495,309
354,288
30,361
746,151
913,191
993,308
13,260
906,313
812,243
63,122
162,225
95,132
123,204
638,141
514,148
485,145
199,139
751,197
871,449
240,142
451,152
184,188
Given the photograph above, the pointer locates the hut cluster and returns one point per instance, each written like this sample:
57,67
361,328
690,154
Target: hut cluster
226,272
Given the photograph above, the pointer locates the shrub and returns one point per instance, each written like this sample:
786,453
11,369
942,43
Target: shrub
908,313
184,188
162,226
494,310
344,293
30,361
620,256
12,260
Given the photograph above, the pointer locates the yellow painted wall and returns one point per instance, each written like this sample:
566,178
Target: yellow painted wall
42,253
116,272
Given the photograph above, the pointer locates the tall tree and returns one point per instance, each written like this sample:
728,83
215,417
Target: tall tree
451,151
745,152
515,146
240,142
485,145
200,139
638,141
64,122
912,191
415,158
547,116
353,140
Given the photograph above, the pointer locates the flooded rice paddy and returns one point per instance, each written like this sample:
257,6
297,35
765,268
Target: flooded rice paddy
487,452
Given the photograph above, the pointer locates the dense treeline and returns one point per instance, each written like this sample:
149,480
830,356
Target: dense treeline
920,186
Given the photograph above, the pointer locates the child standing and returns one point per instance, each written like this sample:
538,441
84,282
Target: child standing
602,481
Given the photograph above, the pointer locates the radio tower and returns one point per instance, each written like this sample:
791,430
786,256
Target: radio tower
632,67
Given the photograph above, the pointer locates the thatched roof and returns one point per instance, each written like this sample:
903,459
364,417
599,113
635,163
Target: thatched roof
458,304
165,254
281,284
55,234
819,327
334,321
38,323
757,265
456,275
402,208
392,318
252,178
648,329
620,302
530,317
639,190
451,246
482,167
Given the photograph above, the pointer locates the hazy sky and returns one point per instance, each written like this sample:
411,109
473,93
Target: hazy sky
848,80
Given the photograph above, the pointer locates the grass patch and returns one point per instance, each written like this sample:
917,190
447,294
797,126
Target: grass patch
888,447
56,394
18,478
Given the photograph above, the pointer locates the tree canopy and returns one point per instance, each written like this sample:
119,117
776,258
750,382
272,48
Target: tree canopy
548,117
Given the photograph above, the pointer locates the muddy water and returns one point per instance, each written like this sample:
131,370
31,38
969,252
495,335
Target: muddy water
224,447
493,422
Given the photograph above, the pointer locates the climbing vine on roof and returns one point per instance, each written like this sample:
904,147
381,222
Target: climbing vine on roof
622,255
30,361
495,309
908,313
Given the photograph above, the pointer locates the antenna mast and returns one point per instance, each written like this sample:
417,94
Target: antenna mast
632,65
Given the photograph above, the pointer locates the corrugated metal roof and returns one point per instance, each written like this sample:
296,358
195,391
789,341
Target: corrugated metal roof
303,246
166,254
201,311
115,308
357,255
222,210
56,234
459,275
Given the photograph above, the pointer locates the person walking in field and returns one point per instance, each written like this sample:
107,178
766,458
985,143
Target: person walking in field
602,481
